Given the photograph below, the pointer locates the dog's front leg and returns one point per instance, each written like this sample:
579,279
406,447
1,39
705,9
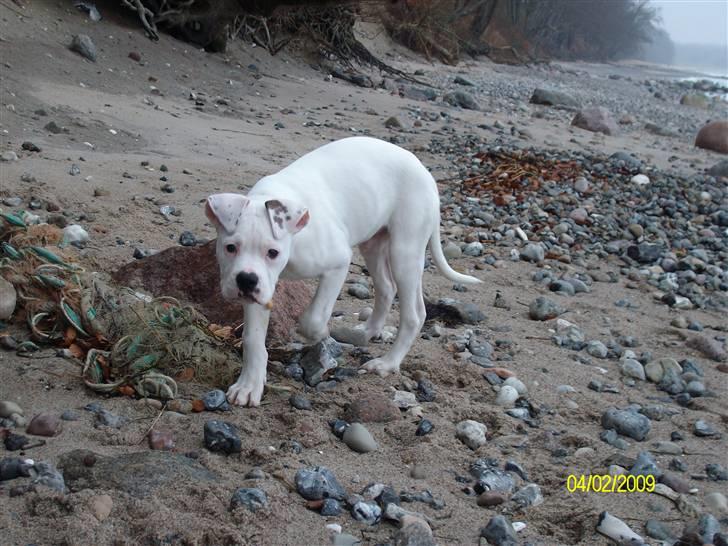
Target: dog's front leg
248,389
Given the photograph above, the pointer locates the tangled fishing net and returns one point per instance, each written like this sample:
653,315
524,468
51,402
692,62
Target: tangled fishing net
129,343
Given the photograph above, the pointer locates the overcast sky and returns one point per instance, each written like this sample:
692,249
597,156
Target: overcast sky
695,21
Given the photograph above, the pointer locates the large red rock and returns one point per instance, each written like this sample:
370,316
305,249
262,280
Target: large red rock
713,136
191,274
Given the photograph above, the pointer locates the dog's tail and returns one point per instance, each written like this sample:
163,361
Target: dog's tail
439,258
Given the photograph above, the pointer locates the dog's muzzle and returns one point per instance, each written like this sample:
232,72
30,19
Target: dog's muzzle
247,282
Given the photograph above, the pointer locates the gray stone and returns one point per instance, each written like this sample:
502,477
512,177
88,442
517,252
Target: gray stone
597,120
215,400
318,483
626,422
415,532
352,336
359,291
528,496
633,368
533,252
454,312
471,433
320,358
658,530
367,512
249,497
645,465
84,46
461,99
499,532
551,97
359,439
300,402
221,436
597,349
544,309
47,475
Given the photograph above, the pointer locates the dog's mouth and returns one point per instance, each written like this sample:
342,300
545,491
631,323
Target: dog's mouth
252,299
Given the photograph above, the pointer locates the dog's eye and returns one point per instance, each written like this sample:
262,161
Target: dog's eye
272,253
231,248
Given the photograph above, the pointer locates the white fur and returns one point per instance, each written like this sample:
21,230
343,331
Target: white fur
356,191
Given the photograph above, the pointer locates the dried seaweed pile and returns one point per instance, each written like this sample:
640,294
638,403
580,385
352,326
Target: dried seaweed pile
511,176
129,342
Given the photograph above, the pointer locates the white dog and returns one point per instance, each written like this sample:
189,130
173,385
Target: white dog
302,223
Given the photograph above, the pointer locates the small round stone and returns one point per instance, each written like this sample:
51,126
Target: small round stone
358,438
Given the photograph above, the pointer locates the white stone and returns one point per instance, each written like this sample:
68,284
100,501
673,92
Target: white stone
471,433
75,234
640,180
8,299
516,384
507,396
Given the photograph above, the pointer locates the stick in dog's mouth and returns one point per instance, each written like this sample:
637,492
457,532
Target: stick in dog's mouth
269,305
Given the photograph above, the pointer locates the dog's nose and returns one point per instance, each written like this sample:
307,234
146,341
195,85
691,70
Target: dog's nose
246,281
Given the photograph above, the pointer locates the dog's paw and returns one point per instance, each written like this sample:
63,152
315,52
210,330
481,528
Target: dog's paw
381,366
245,392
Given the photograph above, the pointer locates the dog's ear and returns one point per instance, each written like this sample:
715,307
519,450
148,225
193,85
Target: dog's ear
224,210
286,216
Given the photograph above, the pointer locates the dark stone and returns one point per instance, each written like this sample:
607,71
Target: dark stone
318,483
626,422
221,436
84,46
250,497
499,532
453,312
424,427
215,400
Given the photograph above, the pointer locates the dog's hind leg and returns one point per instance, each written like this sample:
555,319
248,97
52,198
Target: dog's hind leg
376,256
407,263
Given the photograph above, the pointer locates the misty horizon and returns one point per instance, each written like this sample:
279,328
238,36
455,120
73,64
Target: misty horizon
695,22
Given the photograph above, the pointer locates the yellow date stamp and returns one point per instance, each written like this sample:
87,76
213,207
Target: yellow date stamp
605,483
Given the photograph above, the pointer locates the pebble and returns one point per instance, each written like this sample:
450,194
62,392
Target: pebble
320,358
353,336
44,424
84,46
15,467
300,402
424,427
364,314
7,408
367,512
161,439
516,384
108,419
414,532
215,400
221,436
533,253
8,299
330,507
251,498
187,238
717,503
544,309
658,530
530,495
359,291
100,506
491,498
640,180
597,349
633,368
359,439
472,433
499,532
626,422
506,396
451,251
703,429
616,529
404,399
318,483
48,475
8,156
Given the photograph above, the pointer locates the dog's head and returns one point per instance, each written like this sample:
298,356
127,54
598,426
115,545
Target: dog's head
254,238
